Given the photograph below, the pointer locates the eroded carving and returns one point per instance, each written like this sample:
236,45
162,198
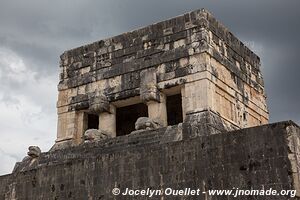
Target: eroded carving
145,123
34,151
98,103
92,135
29,161
148,86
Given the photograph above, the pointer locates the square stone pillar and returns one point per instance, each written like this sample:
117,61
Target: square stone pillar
150,95
81,126
100,105
66,126
107,121
197,96
158,110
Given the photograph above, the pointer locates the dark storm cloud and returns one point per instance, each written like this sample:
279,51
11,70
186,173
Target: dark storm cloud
39,31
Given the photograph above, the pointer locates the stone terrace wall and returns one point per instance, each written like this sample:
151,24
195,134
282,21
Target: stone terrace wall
5,184
250,158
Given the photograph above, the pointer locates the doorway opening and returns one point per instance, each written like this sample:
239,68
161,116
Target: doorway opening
92,121
127,116
174,109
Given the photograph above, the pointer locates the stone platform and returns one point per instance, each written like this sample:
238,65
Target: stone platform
264,156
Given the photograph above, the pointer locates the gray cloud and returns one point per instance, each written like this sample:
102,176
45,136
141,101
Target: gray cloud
37,32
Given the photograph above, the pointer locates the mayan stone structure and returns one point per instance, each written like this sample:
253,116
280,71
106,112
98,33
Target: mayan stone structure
186,69
177,104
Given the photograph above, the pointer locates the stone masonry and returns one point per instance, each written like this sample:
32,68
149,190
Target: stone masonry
193,55
253,158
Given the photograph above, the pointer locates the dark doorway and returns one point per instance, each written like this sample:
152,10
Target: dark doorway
93,121
127,116
174,109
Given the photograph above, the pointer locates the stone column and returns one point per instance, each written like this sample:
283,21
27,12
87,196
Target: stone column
100,105
66,130
81,126
196,96
66,127
150,95
158,110
107,121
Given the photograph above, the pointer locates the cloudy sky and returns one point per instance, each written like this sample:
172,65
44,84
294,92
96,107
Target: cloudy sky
33,33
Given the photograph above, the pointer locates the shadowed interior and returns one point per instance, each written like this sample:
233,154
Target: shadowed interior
93,121
174,109
127,116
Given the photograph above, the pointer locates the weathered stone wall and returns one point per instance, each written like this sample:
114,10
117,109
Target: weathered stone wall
265,156
5,184
191,54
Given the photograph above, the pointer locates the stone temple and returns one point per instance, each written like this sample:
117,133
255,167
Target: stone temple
177,104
